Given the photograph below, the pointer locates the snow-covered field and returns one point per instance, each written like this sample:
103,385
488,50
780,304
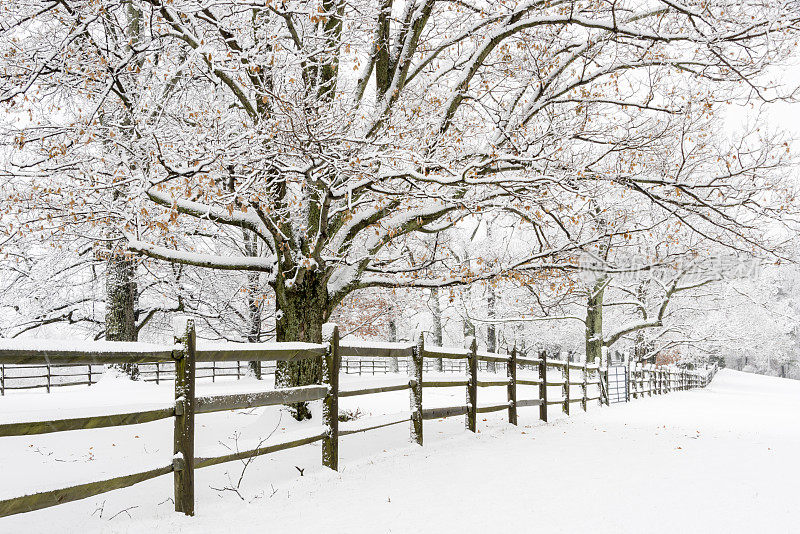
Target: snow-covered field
723,459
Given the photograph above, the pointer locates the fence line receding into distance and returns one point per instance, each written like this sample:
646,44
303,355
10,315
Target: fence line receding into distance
186,355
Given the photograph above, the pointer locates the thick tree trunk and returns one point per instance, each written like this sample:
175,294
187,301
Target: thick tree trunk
121,304
301,312
594,322
438,337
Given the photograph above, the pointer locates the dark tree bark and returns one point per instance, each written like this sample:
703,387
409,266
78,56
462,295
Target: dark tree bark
121,303
301,312
594,322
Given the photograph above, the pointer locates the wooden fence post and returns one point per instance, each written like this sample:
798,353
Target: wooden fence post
512,386
656,383
543,385
565,374
471,419
627,382
659,381
415,397
585,385
605,388
183,460
330,404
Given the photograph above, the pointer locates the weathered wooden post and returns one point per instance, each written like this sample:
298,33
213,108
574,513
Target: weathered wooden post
643,378
415,395
543,385
512,386
658,381
654,378
183,437
639,380
603,389
585,385
565,374
627,382
330,404
471,420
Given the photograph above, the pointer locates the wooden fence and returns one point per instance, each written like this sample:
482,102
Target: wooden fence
185,354
48,376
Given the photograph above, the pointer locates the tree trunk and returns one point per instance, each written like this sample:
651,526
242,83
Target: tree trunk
469,328
438,337
394,362
491,329
594,322
121,304
253,300
301,312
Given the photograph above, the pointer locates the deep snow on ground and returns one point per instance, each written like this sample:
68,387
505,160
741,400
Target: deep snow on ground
723,459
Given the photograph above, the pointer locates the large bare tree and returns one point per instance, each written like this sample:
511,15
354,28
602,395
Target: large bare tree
346,127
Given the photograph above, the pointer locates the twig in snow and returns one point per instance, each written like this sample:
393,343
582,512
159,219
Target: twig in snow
236,488
100,509
126,510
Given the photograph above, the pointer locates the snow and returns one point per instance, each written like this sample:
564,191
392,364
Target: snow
721,459
360,343
79,347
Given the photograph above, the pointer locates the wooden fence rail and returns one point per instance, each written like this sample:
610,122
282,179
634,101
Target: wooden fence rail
184,354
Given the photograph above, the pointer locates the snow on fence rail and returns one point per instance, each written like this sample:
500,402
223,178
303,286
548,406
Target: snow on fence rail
185,354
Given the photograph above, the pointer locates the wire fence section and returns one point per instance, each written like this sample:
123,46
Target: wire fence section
184,362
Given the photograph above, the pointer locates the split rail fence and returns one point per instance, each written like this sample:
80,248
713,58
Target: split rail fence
185,354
